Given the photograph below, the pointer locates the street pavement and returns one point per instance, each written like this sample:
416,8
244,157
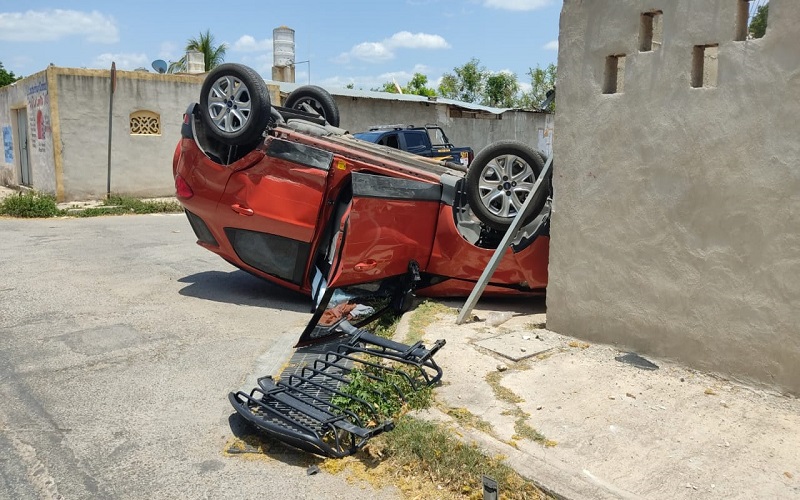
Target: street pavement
119,342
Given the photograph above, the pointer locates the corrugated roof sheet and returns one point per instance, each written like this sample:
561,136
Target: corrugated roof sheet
370,94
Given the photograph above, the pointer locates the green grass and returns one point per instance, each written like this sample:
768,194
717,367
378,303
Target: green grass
429,450
31,204
422,317
123,205
385,326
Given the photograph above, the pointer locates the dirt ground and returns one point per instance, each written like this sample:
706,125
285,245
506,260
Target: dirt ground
609,429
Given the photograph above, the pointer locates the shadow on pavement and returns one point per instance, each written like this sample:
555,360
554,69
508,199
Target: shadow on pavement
239,287
516,305
249,441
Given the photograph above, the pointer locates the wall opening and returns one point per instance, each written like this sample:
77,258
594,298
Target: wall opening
651,35
704,65
145,123
614,82
742,17
759,11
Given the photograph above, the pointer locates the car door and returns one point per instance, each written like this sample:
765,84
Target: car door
271,210
390,222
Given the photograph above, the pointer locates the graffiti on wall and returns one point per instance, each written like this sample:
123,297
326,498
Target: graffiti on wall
8,144
38,115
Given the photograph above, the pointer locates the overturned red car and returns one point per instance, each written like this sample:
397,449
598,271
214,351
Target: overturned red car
282,193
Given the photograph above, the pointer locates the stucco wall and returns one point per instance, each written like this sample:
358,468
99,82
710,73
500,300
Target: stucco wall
32,96
675,230
141,165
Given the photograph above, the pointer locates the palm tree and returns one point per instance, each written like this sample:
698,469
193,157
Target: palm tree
212,55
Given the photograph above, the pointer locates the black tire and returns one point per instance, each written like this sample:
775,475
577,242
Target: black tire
319,99
234,104
499,180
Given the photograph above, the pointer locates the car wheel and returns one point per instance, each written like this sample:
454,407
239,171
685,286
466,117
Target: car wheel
234,104
313,99
499,181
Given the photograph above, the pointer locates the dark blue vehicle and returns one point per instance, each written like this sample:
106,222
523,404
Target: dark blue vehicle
429,141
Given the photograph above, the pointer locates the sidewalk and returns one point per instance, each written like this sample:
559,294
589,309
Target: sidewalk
615,430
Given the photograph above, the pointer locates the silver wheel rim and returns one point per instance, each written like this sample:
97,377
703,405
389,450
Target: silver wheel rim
310,105
229,104
504,184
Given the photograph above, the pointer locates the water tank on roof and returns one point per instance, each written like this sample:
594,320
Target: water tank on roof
283,46
195,62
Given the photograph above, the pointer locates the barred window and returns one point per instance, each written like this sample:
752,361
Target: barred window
145,123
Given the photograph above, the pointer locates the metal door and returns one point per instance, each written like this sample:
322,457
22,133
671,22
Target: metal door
22,129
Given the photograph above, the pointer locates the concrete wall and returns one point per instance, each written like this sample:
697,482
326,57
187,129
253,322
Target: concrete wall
141,165
675,230
30,97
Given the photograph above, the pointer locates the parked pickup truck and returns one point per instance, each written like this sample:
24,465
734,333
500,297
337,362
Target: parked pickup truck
430,141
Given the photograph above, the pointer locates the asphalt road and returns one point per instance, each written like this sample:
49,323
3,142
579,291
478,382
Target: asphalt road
119,342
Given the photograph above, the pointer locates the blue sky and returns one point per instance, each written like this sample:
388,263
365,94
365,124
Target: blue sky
347,41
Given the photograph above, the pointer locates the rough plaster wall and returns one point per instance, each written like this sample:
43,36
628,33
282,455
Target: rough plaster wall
358,114
674,230
141,165
31,94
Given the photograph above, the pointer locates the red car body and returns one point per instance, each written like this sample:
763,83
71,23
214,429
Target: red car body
300,199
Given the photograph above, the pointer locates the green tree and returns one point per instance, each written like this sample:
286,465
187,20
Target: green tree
758,25
7,77
501,90
390,87
467,84
213,55
542,80
419,85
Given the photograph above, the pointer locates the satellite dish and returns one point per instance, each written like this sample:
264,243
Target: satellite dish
160,65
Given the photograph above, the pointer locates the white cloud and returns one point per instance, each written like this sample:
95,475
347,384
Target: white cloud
247,43
371,52
122,61
407,40
375,52
517,4
551,45
56,24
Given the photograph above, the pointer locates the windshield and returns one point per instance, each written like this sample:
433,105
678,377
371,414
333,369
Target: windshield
437,136
368,136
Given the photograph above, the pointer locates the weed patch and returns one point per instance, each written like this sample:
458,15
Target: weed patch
467,419
30,205
385,326
381,394
422,317
503,394
424,449
521,427
123,205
